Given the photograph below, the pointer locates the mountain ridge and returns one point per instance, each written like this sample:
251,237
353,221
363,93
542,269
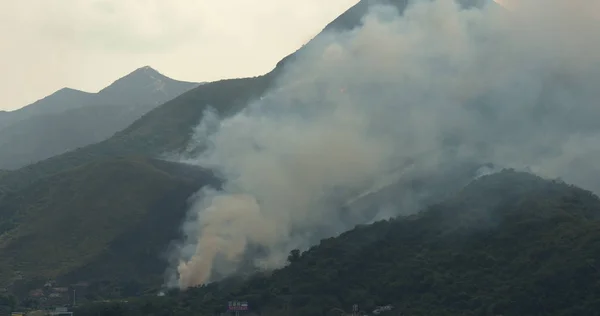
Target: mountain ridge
55,219
166,128
129,140
69,118
499,246
146,71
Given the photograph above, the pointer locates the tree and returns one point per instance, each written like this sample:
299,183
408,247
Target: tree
294,256
8,300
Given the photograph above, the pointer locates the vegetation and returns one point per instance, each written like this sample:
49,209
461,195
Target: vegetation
507,244
96,214
106,212
106,219
7,304
60,216
164,129
59,187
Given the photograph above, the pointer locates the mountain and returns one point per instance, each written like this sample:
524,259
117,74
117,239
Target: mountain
352,18
507,244
69,119
107,218
47,190
61,100
144,86
168,127
140,193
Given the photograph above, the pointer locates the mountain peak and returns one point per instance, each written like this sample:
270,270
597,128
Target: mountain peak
146,70
142,78
67,90
145,81
143,73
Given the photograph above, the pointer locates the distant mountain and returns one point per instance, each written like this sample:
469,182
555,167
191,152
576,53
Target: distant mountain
144,86
507,244
61,100
166,128
69,118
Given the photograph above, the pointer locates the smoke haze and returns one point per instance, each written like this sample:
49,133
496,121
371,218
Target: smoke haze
401,96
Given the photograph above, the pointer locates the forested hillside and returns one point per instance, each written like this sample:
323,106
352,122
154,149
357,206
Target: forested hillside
107,220
507,244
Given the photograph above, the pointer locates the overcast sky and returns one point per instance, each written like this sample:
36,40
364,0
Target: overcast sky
86,44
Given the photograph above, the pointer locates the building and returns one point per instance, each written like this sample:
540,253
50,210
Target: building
60,311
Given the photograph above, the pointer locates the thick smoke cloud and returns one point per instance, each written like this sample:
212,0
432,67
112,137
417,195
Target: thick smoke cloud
402,96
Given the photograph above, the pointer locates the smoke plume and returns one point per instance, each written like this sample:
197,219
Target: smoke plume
402,96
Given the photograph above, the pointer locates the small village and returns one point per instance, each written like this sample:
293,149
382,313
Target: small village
52,299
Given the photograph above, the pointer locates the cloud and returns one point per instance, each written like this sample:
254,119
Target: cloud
87,44
402,98
134,25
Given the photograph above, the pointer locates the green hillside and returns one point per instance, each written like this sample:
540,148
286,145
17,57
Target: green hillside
507,244
111,201
165,128
117,214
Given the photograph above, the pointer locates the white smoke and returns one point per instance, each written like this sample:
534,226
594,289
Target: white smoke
400,95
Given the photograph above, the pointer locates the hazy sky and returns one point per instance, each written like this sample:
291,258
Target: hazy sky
86,44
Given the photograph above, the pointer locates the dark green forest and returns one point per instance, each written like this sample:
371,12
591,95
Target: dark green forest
506,244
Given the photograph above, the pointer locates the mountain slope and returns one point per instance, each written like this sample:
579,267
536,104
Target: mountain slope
69,119
145,85
509,243
166,128
86,215
61,100
44,136
148,205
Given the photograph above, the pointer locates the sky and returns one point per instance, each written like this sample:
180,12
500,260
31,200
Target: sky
46,45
